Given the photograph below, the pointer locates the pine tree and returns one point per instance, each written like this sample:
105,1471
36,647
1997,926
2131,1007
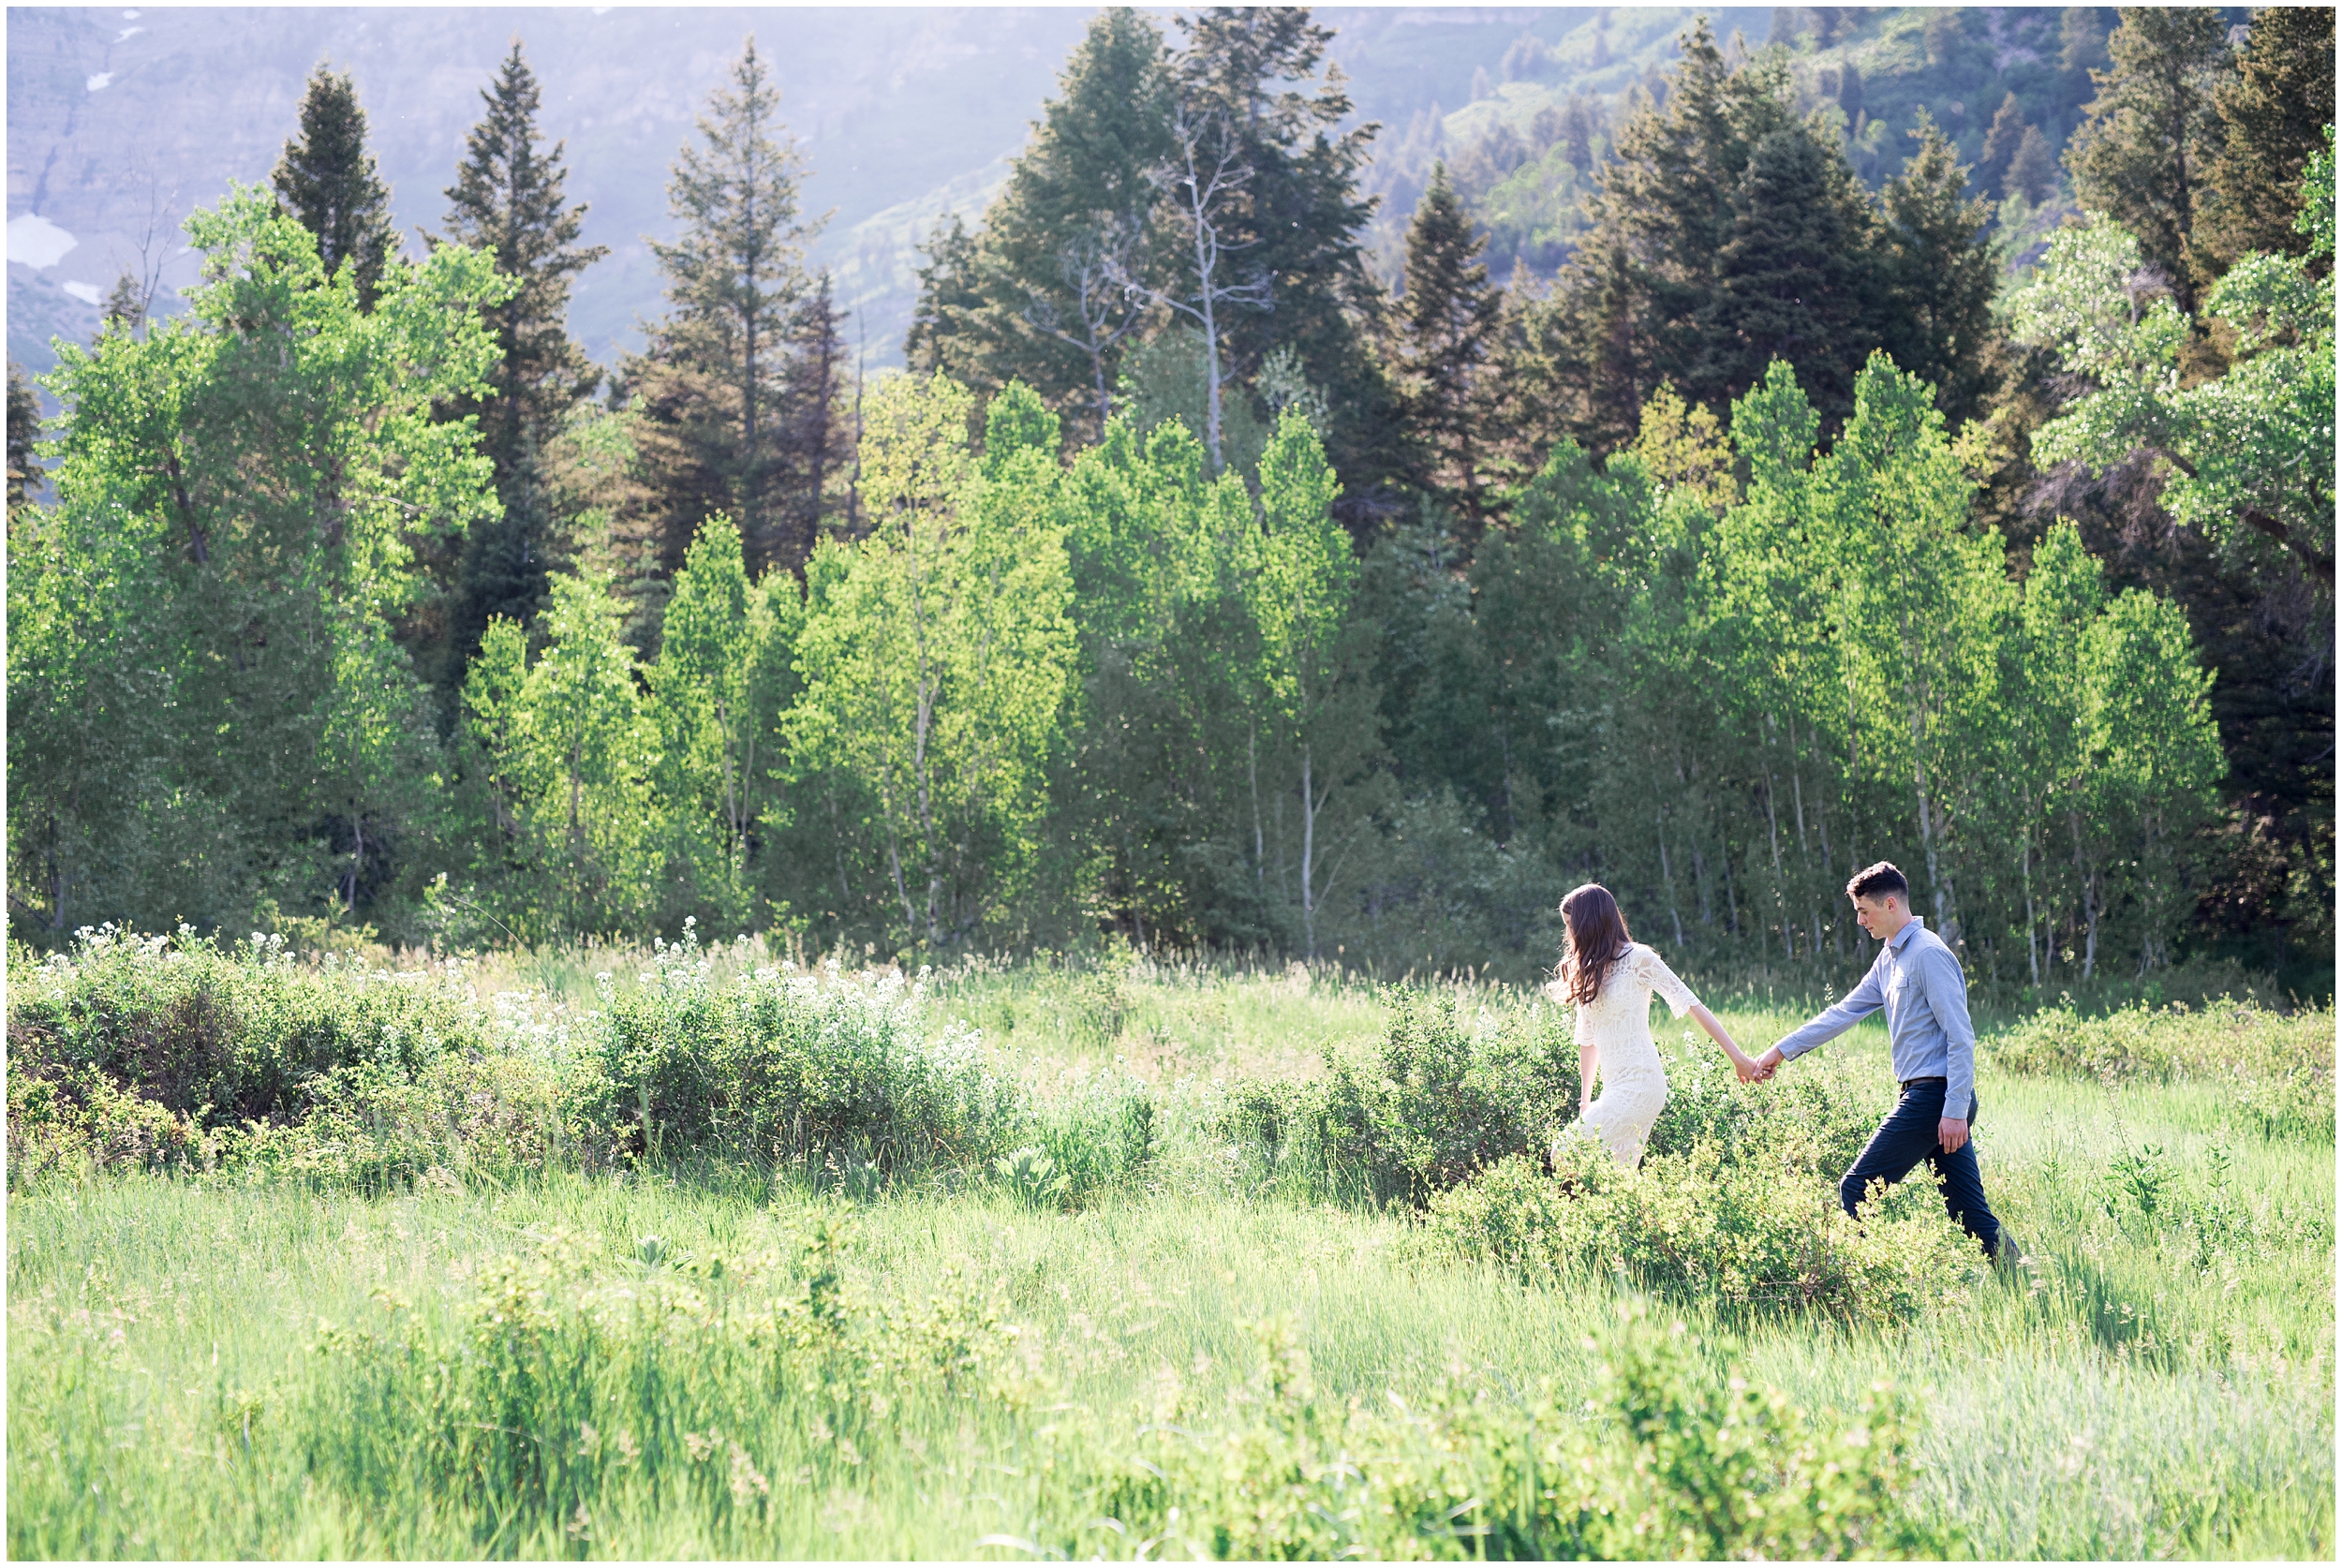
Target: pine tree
1577,134
1941,277
1799,278
2153,134
1447,325
2000,147
713,386
2033,172
821,427
125,305
944,323
507,202
24,470
1075,227
2272,115
326,180
1303,218
2080,42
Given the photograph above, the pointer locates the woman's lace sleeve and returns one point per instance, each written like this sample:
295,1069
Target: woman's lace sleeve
1656,974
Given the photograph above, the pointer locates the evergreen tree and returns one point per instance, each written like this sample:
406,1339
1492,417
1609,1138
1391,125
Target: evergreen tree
1942,276
2080,44
2272,115
713,386
326,180
821,427
2153,134
507,202
1447,325
944,320
1801,278
1076,226
1625,312
2033,172
2000,146
1300,222
125,305
24,470
1577,134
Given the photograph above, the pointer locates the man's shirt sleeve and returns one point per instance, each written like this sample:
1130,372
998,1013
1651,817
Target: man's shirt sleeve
1855,1006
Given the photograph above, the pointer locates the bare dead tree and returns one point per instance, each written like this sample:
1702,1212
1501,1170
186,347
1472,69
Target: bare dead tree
132,300
1206,173
1096,266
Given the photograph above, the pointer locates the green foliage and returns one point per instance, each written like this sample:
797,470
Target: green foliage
508,202
2249,453
326,180
1442,1097
2273,111
814,1072
721,386
1705,1225
1445,351
175,1054
937,657
205,706
2152,132
1659,1461
2276,1072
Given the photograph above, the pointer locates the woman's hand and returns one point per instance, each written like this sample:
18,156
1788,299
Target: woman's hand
1717,1032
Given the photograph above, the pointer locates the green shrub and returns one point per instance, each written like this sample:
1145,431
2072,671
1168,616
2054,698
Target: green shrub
1755,1234
2281,1065
1669,1458
1442,1098
174,1053
809,1070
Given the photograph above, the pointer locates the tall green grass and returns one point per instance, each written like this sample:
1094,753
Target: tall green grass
726,1351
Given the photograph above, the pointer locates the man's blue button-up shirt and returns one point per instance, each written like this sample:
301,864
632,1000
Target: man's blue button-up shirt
1918,982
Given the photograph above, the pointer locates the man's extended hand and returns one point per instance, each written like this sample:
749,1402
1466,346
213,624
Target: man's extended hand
1767,1065
1951,1132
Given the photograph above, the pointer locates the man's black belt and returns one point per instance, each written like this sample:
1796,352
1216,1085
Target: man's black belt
1915,1083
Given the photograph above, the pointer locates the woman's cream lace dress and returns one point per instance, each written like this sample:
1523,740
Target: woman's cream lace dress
1616,1024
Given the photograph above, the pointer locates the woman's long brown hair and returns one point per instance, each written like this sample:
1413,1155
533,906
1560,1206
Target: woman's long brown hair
1597,939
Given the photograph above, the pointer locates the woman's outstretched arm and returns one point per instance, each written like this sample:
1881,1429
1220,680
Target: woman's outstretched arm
1587,1060
1741,1063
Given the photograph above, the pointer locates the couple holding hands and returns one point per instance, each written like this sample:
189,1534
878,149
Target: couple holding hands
1607,977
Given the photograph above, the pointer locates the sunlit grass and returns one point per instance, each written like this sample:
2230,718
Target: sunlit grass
2156,1380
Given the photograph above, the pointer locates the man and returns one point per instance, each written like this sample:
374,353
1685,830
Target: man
1917,980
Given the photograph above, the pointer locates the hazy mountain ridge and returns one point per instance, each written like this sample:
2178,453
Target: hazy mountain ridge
121,121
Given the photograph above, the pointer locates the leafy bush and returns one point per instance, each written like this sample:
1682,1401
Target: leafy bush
1678,1460
1703,1225
813,1071
1442,1098
2280,1066
174,1052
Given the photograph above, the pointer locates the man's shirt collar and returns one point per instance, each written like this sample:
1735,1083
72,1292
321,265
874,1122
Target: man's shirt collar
1908,934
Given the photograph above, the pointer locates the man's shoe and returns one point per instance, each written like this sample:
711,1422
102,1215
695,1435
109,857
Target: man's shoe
2005,1256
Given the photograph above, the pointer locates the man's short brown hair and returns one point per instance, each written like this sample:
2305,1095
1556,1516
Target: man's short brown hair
1875,881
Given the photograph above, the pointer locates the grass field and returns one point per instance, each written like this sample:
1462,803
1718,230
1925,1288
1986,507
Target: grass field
704,1355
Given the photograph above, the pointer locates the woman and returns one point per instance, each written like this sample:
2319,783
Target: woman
1608,976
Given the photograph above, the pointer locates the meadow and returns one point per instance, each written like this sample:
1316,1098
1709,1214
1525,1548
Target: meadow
604,1253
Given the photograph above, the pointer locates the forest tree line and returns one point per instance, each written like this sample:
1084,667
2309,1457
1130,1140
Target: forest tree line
1193,586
